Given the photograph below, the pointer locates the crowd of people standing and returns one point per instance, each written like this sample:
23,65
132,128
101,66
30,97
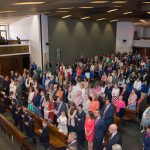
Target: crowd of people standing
81,99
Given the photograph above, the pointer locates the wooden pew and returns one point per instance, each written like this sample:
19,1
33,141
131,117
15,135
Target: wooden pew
14,133
129,115
116,120
57,138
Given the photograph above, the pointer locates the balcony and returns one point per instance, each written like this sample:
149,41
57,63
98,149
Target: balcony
141,42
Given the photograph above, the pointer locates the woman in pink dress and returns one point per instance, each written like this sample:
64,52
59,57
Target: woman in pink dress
120,104
94,105
89,129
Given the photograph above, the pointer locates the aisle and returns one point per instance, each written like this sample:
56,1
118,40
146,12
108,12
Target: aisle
6,143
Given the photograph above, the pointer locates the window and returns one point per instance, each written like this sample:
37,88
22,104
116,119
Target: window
4,31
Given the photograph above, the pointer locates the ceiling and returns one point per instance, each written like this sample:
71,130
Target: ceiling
54,8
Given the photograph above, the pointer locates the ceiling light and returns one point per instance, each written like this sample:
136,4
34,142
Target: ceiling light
28,3
148,12
146,2
86,7
85,17
129,12
114,20
61,11
99,2
66,16
1,12
66,8
46,12
119,2
117,6
112,10
100,19
142,20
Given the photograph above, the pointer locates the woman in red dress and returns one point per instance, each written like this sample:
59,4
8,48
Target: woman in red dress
51,109
89,129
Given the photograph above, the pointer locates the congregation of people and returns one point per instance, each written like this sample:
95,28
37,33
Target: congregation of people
82,99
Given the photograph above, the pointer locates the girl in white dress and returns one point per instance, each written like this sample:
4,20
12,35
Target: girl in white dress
62,123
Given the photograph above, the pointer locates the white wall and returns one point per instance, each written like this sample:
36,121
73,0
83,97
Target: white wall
125,31
29,29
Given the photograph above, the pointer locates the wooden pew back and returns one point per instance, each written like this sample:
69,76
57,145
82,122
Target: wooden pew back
129,115
17,135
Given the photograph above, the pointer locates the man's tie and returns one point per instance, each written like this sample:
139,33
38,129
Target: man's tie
105,111
96,121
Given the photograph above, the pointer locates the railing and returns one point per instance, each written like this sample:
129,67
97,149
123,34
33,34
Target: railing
141,38
14,49
142,43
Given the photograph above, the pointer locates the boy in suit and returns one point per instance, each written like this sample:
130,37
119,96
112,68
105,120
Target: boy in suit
44,137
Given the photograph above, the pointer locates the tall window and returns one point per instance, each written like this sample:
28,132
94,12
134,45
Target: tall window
4,31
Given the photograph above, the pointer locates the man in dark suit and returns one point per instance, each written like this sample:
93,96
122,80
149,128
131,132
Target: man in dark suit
107,112
5,103
125,94
37,102
146,141
55,91
30,129
25,118
44,137
19,114
72,141
19,92
13,108
108,91
99,130
80,121
61,106
115,137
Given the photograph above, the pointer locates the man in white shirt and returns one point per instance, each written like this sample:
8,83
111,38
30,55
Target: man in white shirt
137,84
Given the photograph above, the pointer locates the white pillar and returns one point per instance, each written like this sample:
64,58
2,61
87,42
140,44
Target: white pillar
45,39
124,36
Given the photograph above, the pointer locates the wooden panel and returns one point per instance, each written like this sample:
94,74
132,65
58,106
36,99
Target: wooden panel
16,63
14,49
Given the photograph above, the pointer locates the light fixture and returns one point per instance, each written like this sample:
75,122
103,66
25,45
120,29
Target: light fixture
99,2
46,12
111,10
62,11
63,8
146,2
129,12
87,17
119,2
148,12
86,7
100,19
9,11
66,16
114,20
117,6
28,3
142,20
